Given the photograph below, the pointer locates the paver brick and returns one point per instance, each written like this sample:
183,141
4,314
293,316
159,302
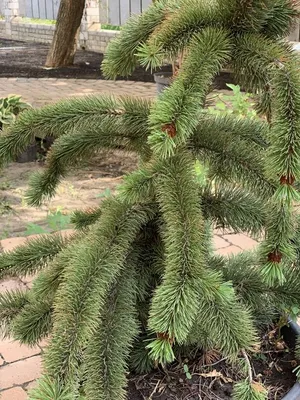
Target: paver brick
20,372
11,284
12,351
31,385
16,393
219,242
10,243
241,240
230,250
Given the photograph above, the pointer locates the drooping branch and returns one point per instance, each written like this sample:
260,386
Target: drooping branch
76,115
175,305
96,262
121,58
109,348
33,256
174,34
256,55
175,114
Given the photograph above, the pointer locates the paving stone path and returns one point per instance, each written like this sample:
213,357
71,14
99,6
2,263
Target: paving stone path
20,366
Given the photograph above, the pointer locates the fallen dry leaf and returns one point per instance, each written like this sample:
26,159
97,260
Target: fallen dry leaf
216,374
294,363
258,387
280,345
278,369
212,374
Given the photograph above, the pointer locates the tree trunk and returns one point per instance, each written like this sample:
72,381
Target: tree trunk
63,46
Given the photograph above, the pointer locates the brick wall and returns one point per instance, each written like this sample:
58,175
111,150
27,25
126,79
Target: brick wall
32,32
94,40
98,40
295,34
92,11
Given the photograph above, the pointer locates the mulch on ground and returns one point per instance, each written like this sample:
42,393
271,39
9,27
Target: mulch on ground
26,60
212,378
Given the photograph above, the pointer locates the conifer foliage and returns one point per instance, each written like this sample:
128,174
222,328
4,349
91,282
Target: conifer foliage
139,279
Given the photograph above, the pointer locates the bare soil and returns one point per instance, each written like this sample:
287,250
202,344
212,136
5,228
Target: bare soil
213,379
26,60
83,188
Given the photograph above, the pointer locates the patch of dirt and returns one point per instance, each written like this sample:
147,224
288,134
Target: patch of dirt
83,188
272,367
27,60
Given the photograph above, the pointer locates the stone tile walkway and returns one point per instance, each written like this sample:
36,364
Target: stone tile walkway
43,91
20,366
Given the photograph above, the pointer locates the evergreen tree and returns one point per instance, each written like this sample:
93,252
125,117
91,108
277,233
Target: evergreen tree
139,279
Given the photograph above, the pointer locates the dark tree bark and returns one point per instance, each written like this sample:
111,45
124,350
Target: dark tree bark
63,46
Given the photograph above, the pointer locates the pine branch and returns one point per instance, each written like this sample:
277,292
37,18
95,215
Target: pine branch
31,257
251,61
230,206
126,128
138,186
254,131
83,219
277,61
11,304
246,390
33,323
108,351
45,285
277,248
286,295
140,362
244,273
280,18
175,114
186,19
200,337
67,152
93,267
174,305
121,56
54,120
229,323
249,16
49,389
149,250
230,159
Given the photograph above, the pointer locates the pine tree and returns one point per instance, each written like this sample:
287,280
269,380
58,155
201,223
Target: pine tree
139,279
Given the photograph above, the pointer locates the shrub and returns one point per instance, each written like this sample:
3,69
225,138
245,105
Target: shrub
10,107
139,279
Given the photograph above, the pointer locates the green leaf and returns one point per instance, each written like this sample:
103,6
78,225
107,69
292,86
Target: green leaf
58,221
34,229
235,88
221,106
188,375
106,193
295,310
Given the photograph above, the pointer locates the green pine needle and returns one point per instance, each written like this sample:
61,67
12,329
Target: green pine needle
49,389
249,391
